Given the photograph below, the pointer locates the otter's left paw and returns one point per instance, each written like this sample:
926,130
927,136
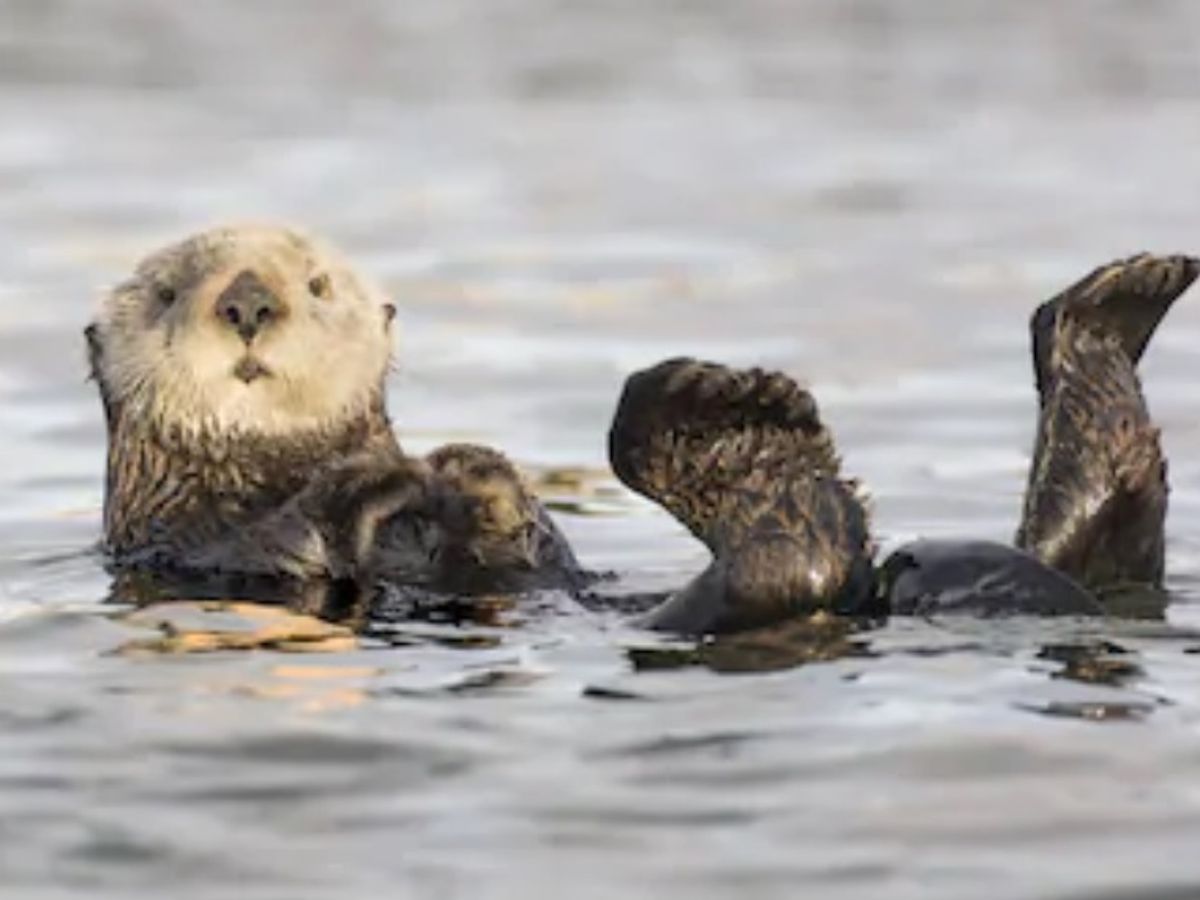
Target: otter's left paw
350,503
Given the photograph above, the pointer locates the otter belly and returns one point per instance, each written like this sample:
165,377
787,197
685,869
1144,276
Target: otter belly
978,578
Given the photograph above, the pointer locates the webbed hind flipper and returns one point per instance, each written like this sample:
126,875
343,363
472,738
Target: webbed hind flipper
742,459
1125,300
1096,499
690,435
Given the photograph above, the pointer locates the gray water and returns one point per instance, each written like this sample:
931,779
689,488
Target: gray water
870,195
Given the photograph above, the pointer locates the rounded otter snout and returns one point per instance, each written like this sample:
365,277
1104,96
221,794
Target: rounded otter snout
247,305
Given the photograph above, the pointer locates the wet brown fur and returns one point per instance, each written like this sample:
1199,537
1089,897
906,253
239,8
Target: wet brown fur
1096,500
742,459
224,503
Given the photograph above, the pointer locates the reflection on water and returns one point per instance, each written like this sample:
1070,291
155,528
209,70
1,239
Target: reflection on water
1099,662
870,195
266,628
817,639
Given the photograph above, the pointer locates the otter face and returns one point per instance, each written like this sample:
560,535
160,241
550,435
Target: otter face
497,524
253,330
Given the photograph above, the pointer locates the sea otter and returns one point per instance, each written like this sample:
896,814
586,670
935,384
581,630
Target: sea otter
242,374
742,459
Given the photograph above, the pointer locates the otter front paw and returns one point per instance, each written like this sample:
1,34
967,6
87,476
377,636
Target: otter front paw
351,502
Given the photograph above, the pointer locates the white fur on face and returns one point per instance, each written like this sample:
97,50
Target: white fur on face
173,360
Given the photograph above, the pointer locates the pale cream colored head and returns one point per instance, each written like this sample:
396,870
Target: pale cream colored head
255,330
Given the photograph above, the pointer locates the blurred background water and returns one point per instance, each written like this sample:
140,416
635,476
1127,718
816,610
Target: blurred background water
870,195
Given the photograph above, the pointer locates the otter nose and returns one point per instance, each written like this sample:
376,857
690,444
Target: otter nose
247,305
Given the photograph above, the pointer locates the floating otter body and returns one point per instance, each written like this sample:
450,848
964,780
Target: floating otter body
742,459
242,377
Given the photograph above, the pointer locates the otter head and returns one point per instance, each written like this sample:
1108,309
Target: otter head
493,522
252,330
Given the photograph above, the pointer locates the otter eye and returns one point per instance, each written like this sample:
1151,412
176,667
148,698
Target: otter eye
166,294
318,285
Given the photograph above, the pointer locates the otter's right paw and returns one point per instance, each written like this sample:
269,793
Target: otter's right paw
350,502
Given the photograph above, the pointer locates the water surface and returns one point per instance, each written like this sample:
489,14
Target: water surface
871,196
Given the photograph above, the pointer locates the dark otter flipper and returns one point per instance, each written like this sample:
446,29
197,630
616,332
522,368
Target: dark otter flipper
689,434
742,459
1097,494
1125,300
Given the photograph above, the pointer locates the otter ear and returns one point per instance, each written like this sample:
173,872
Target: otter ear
95,355
95,349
